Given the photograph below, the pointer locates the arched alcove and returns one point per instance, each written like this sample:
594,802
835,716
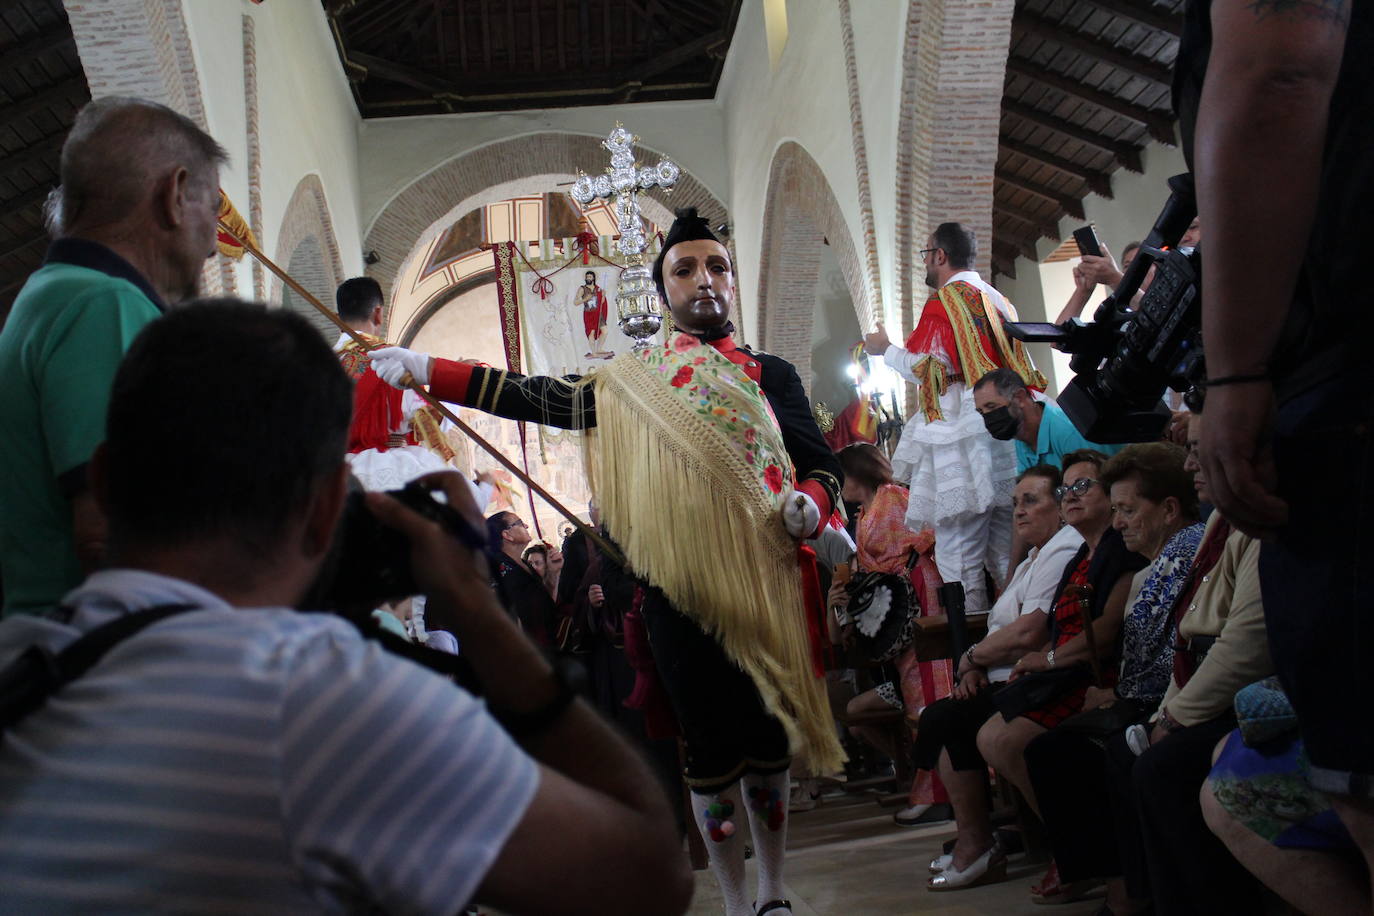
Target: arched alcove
307,218
800,218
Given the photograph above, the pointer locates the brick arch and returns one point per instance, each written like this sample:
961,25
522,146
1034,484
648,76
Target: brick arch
800,215
464,183
307,216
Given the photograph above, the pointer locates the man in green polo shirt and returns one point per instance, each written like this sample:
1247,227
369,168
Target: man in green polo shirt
1043,433
137,216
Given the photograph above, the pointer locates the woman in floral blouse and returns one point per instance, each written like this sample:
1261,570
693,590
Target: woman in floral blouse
1155,508
886,545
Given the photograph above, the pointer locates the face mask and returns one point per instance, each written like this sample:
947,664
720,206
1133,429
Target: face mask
1000,423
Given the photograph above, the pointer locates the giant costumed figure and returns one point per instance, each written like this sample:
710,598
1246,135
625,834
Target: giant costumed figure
709,469
960,477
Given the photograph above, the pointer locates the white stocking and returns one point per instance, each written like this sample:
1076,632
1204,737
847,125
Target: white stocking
718,818
766,799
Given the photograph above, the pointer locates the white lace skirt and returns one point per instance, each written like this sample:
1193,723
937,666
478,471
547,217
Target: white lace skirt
395,467
952,465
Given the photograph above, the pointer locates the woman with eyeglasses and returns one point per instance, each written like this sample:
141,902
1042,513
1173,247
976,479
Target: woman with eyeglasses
1095,585
1155,507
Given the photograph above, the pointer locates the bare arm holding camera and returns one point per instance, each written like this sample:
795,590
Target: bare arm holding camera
1261,130
597,801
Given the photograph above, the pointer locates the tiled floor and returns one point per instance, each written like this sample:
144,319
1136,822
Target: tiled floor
847,858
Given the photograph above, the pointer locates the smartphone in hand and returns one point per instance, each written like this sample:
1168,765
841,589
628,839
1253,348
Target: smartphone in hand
1087,241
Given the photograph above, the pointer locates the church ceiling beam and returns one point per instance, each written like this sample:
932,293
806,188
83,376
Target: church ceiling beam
30,47
562,55
671,59
24,244
584,20
1069,204
1099,183
71,90
1065,36
1128,155
536,14
1143,13
1160,124
45,150
1045,225
29,200
400,73
1004,259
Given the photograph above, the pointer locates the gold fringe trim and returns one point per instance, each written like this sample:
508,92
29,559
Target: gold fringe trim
695,522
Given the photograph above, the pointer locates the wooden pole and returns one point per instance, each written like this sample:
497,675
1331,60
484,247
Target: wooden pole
606,546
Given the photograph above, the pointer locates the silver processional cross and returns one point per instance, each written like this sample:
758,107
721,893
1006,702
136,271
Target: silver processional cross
636,297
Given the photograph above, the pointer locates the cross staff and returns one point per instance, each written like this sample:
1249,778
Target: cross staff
606,546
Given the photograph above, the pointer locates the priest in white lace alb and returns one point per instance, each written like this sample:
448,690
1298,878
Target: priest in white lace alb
960,477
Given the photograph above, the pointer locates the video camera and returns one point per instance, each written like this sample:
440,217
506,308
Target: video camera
1125,359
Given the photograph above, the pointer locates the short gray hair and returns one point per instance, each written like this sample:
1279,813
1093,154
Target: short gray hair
1006,382
119,146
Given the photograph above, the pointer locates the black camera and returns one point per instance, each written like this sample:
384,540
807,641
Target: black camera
1125,359
369,563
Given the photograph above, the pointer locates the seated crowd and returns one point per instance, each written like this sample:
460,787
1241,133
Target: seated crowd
1126,654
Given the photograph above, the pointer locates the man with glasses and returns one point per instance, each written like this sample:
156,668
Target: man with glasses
961,479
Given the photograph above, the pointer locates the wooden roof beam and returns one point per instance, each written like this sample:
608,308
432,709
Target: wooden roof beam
1142,12
1064,35
1160,124
69,90
1126,154
1099,183
29,47
1046,226
1007,253
1069,204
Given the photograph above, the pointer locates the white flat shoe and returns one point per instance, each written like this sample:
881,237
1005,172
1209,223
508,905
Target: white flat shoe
989,867
940,863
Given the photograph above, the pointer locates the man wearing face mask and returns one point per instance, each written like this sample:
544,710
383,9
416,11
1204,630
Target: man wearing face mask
708,468
1042,432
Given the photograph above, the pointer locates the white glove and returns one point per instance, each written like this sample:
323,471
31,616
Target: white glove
392,363
800,514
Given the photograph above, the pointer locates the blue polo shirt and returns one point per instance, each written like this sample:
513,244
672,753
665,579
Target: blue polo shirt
1058,436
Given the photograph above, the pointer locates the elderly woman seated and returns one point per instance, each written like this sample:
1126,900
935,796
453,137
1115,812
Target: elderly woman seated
1161,845
1155,508
1017,623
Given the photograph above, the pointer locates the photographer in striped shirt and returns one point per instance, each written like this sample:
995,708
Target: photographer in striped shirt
242,756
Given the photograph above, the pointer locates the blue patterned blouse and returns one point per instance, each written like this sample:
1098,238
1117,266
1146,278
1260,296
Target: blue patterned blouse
1147,648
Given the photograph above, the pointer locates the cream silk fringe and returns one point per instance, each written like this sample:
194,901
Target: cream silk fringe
694,520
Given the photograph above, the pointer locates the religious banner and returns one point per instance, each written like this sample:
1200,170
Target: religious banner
557,305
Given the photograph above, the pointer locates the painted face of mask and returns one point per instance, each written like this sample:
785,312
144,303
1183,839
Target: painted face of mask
1000,423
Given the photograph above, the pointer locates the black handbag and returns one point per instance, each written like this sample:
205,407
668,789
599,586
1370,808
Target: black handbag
884,608
1039,689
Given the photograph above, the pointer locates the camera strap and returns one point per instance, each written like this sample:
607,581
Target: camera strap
37,674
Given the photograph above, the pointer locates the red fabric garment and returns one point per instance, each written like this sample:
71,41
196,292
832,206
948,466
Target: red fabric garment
648,695
846,431
448,380
594,318
1068,623
814,603
1208,556
376,405
884,544
934,335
